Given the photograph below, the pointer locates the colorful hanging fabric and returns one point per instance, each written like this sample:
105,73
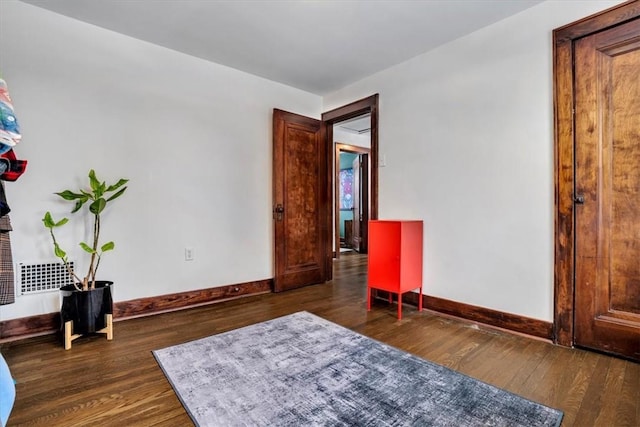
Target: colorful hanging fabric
9,128
13,168
10,167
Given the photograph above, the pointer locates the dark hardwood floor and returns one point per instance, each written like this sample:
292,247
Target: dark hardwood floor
101,383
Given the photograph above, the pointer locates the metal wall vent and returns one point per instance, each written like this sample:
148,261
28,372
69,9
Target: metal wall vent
34,278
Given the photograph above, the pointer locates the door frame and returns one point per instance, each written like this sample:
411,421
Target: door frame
564,166
347,148
368,105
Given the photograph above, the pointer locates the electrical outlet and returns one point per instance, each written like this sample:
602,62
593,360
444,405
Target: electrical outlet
188,254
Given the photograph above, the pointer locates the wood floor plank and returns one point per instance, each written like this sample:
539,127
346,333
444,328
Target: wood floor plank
628,410
596,396
613,383
107,383
571,385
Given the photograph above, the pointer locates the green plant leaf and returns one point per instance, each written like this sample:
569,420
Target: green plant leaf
101,190
86,247
69,195
78,205
59,252
116,195
107,246
97,206
63,221
50,223
48,220
93,180
117,185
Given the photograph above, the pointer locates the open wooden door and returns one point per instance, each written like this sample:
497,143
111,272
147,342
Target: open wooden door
300,201
607,190
360,203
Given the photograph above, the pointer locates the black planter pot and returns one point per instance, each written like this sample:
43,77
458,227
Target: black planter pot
87,309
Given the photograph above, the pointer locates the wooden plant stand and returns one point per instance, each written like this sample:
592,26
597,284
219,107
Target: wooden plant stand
69,336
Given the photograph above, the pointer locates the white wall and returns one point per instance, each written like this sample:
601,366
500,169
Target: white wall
467,131
193,137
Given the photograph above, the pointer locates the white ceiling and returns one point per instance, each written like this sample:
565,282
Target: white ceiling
315,45
357,125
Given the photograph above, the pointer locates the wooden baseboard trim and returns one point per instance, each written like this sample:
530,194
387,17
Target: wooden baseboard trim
50,323
26,327
512,322
182,300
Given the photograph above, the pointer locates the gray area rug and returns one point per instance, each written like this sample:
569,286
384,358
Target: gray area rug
302,370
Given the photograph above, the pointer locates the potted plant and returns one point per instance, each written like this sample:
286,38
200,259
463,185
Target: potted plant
87,304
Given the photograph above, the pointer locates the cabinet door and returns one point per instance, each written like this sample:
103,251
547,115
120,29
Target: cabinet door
411,256
384,255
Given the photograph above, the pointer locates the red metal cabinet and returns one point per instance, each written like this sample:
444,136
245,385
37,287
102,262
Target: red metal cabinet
395,259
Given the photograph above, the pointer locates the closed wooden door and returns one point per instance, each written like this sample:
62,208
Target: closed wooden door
300,201
607,191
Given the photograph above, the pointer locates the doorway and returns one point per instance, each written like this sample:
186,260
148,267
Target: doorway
363,107
597,224
351,198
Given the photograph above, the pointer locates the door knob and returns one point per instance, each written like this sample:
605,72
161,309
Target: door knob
278,211
579,199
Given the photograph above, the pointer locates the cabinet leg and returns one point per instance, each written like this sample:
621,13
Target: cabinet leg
399,305
420,300
369,290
